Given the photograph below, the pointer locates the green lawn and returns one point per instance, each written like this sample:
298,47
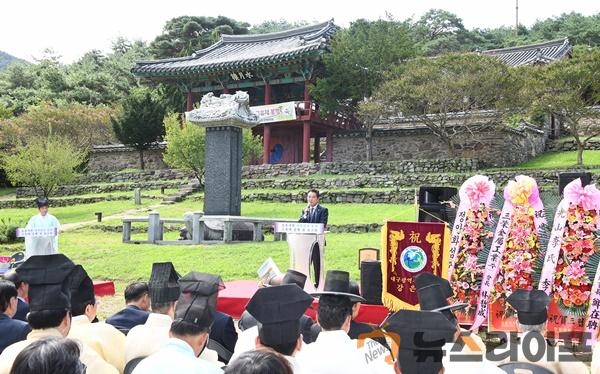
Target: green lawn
339,214
7,191
77,213
104,256
560,160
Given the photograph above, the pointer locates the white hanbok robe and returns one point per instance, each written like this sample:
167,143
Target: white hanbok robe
42,245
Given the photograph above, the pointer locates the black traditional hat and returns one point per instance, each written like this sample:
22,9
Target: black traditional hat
433,293
294,277
531,306
82,287
42,201
425,279
163,283
337,283
197,303
422,336
47,276
278,310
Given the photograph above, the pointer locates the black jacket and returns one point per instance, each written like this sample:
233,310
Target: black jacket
223,332
128,318
22,310
12,331
319,216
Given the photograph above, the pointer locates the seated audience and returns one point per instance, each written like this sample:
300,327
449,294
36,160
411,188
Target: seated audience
334,351
50,315
11,330
260,361
49,355
103,338
194,314
22,290
137,298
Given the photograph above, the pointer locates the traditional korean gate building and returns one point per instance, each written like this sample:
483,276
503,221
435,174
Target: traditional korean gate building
276,69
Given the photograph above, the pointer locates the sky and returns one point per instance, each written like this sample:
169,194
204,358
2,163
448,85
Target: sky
71,28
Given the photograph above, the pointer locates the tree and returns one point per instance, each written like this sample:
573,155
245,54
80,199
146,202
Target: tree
141,122
185,35
275,26
43,163
454,95
185,146
83,125
568,89
359,58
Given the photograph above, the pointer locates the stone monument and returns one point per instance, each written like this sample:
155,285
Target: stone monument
223,117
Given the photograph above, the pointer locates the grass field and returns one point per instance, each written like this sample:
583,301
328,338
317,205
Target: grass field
560,160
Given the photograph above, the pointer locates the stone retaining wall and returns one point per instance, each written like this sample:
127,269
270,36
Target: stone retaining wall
404,196
360,167
570,145
104,188
134,176
491,147
68,201
115,157
403,180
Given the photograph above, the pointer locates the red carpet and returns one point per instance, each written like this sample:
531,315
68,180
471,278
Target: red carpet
104,288
233,299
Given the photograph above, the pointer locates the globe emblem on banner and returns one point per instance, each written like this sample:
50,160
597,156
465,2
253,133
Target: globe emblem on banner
413,259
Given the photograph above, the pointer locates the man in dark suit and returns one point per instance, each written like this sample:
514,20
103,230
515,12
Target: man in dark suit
11,330
137,298
314,212
223,332
22,291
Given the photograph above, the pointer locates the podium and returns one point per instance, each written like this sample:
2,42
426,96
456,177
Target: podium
306,242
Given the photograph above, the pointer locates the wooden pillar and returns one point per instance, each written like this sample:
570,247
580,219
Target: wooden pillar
190,101
306,141
317,149
266,143
267,92
329,151
306,91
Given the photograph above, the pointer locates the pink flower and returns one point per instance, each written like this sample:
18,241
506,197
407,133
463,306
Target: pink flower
588,197
477,190
575,270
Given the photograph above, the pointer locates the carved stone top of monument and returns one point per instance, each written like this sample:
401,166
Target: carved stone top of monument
225,110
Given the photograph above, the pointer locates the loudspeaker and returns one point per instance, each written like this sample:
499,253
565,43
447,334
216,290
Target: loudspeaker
566,178
430,207
371,281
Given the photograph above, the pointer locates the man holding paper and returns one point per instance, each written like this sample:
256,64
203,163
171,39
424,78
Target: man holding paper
36,245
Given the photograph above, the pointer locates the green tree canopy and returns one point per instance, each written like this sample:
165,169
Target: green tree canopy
359,58
43,163
569,89
275,26
452,95
141,121
185,35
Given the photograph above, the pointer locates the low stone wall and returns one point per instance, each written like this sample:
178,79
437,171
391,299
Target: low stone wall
360,167
67,201
404,196
103,188
134,176
549,177
491,147
115,157
570,145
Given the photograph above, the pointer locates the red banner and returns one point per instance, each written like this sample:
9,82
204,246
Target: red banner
409,249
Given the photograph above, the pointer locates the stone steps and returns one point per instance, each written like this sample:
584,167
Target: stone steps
185,191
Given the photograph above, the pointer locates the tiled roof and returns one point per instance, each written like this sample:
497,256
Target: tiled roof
534,53
235,52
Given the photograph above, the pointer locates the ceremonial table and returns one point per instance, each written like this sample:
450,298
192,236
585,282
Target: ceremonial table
233,299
